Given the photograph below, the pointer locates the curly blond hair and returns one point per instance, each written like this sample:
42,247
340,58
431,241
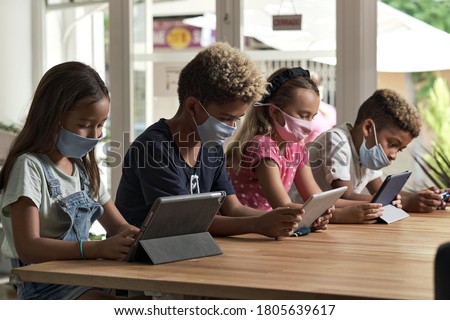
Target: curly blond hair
387,108
221,74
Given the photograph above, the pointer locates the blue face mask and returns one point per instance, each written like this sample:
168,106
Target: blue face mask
72,145
373,158
213,130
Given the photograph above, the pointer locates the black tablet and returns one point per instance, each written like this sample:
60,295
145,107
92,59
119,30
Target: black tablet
318,204
390,188
177,215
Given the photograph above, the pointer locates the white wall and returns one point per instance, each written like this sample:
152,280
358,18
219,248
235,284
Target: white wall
15,59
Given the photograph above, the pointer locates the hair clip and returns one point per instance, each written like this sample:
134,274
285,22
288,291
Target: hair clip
284,76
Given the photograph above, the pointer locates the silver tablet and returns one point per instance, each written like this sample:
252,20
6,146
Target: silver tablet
318,204
178,215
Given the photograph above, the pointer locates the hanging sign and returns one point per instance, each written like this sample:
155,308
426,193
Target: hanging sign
287,22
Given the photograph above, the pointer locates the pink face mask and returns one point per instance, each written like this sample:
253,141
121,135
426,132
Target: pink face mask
294,130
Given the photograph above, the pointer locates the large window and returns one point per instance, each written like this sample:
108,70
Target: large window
164,41
77,32
166,34
181,28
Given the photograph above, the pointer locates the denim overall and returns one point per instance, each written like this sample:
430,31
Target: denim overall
83,211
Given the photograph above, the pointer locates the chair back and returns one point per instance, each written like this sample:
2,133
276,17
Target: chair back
442,272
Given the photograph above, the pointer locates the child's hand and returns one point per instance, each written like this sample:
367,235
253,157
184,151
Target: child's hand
445,197
423,201
322,222
397,202
363,213
280,222
117,246
369,212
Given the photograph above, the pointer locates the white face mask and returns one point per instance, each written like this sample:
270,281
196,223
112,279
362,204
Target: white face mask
294,130
374,158
213,130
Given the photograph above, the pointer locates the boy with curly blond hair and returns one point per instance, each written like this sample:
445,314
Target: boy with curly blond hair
184,154
353,156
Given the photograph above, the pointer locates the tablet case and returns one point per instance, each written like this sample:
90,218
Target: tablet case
176,228
390,188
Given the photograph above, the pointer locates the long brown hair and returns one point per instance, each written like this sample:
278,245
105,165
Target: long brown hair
61,88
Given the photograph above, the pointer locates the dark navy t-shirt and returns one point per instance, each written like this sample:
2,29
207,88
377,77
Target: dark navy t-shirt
153,167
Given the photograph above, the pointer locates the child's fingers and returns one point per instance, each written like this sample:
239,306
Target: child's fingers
372,206
372,210
129,232
371,216
289,211
289,225
294,215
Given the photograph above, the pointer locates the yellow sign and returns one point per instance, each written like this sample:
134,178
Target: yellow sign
178,38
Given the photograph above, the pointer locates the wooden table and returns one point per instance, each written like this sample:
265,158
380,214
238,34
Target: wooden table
379,261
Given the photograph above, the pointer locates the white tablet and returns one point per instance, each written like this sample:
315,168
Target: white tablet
318,204
177,215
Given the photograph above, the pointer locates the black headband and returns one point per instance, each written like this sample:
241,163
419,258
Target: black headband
284,76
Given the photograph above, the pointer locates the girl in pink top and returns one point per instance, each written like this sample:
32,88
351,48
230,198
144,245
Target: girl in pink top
268,153
263,148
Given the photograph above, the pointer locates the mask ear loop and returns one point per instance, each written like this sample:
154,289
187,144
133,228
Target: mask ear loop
274,116
375,132
201,105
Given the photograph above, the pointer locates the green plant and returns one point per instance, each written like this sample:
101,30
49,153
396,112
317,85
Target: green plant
435,165
433,12
435,111
93,236
14,128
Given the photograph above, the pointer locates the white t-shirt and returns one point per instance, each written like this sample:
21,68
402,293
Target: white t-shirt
333,156
27,178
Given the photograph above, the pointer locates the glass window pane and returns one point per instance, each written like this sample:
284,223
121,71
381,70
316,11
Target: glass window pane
175,39
311,47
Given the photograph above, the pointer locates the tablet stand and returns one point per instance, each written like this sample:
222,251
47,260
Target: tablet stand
176,248
392,214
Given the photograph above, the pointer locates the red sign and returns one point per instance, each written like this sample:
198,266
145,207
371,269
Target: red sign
287,22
